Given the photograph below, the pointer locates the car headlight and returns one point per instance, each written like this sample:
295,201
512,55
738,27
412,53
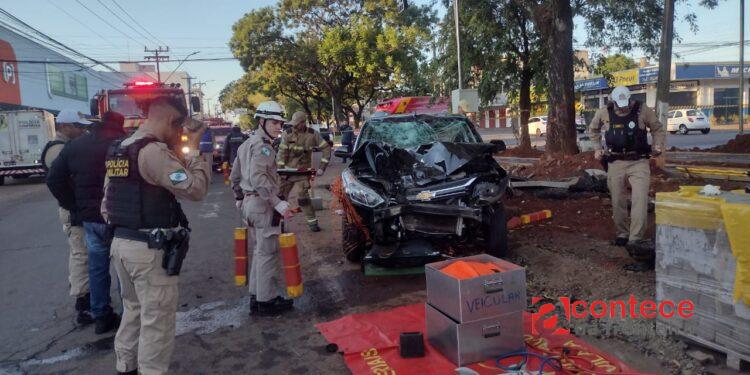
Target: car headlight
217,146
360,193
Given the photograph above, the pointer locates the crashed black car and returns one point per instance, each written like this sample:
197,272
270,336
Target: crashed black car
424,186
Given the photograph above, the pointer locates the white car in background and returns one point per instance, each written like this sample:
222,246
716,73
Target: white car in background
538,126
687,120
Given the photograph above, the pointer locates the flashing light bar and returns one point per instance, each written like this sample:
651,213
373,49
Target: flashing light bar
143,83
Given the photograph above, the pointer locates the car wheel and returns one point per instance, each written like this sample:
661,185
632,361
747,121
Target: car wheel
496,232
683,129
352,241
705,131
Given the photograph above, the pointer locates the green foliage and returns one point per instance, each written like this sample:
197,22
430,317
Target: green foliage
315,52
613,63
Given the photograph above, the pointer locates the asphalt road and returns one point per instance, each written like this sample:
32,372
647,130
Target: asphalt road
689,141
214,332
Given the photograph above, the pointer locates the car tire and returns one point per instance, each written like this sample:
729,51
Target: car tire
496,232
705,131
353,241
683,129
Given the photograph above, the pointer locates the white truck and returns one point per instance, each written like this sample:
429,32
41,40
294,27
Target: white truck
23,135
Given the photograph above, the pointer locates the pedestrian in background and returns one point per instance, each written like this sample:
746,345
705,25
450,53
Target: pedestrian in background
82,162
68,126
347,138
624,122
145,177
233,141
256,185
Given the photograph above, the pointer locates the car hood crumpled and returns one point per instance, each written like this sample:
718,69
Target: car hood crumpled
425,164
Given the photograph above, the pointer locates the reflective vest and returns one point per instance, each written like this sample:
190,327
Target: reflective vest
624,135
131,201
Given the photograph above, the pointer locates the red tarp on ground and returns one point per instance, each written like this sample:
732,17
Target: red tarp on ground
370,346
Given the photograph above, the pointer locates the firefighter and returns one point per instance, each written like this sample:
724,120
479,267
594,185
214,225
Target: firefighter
144,179
624,122
295,151
232,143
256,185
68,126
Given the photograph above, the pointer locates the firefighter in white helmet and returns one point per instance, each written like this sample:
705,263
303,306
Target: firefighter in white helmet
256,185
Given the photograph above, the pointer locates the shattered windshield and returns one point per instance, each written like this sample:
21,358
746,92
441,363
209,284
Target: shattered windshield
412,133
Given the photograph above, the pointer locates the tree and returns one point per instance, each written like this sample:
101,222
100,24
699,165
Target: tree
623,25
504,48
609,64
339,52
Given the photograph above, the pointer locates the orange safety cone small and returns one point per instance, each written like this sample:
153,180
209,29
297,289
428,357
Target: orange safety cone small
536,216
240,256
290,263
226,170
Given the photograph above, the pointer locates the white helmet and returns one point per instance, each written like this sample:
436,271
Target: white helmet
270,110
621,96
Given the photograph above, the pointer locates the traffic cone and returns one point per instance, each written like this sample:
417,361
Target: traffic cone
290,263
240,256
536,216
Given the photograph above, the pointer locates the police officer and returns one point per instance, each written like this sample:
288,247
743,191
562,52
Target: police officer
144,179
295,151
256,185
76,179
68,126
624,122
232,143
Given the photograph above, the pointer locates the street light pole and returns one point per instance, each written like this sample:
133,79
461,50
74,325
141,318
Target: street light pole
742,66
458,44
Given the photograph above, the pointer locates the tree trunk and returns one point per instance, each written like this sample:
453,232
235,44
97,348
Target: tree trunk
524,107
558,32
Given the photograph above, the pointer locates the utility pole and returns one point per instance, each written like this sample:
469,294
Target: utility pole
189,94
157,57
742,66
458,43
665,63
200,85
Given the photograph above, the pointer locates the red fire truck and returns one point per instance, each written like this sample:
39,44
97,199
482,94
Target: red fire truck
132,101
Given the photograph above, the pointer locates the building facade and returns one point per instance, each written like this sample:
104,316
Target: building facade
36,76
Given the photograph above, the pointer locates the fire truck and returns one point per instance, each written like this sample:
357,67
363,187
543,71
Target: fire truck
132,101
412,105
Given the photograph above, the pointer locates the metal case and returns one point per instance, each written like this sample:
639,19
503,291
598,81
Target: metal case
476,341
480,297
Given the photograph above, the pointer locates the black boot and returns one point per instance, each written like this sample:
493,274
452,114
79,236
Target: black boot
83,307
620,241
108,322
253,304
131,372
275,306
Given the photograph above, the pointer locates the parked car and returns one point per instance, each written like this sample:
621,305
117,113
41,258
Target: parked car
687,120
538,126
423,186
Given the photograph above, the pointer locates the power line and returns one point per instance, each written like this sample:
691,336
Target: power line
106,22
207,59
123,21
137,23
83,24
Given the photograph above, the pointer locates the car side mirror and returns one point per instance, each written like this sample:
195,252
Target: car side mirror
195,103
342,152
499,145
94,107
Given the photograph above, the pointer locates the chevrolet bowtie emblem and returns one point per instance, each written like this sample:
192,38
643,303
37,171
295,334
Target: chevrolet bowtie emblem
425,195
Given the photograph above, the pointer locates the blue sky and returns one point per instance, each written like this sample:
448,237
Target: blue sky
205,26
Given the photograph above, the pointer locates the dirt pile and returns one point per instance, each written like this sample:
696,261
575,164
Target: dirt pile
558,166
518,152
739,145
